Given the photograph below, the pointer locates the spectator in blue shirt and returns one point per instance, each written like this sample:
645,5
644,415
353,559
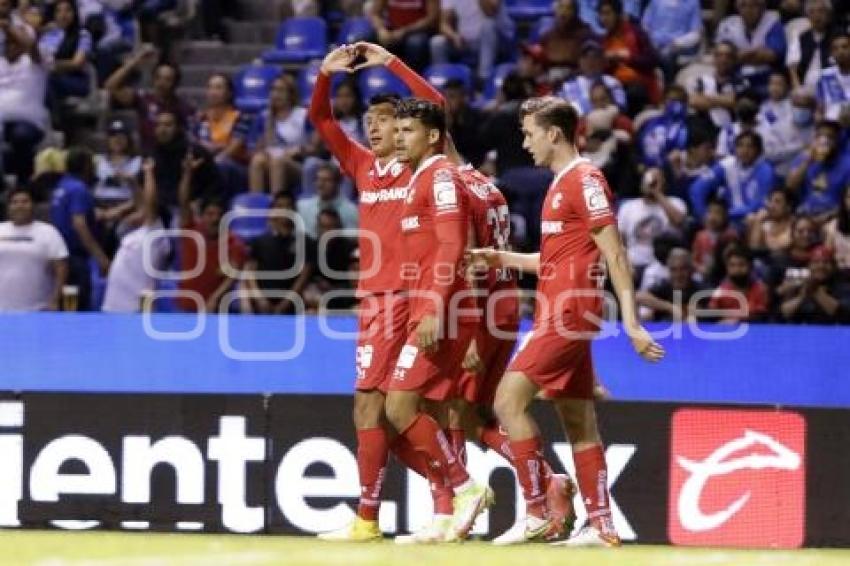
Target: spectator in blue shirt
743,180
675,28
65,49
760,38
72,211
666,132
821,173
833,90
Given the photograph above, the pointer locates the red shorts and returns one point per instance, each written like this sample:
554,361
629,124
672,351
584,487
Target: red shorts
561,366
382,332
495,353
433,376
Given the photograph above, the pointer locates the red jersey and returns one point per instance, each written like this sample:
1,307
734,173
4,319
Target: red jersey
401,13
491,222
382,188
435,226
571,276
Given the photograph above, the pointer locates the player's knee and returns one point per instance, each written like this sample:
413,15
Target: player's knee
399,412
506,407
368,410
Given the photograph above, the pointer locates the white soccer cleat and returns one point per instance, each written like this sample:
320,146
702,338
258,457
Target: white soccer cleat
527,529
590,536
437,531
468,504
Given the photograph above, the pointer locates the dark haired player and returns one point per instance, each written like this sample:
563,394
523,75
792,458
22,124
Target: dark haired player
578,229
381,181
442,319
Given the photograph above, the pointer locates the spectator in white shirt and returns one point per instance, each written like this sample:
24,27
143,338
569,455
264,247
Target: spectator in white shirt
33,259
23,114
641,219
472,27
118,169
834,86
783,139
717,93
133,271
328,195
808,52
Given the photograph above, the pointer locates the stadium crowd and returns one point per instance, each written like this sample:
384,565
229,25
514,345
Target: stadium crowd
724,132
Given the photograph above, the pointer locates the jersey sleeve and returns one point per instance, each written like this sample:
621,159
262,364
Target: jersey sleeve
593,201
418,86
451,223
348,152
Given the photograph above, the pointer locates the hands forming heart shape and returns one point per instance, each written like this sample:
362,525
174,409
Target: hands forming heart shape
343,58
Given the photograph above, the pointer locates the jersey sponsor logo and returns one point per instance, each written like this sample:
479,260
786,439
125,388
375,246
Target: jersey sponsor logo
445,195
383,195
442,176
396,169
594,196
730,471
556,201
409,223
551,227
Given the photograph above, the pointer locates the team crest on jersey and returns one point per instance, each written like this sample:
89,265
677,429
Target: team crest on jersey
556,201
594,195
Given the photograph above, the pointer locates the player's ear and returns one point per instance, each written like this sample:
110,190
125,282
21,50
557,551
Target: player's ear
552,134
434,136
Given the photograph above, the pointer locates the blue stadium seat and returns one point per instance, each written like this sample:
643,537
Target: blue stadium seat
494,83
380,80
253,84
540,27
299,40
307,81
249,227
439,74
354,30
529,9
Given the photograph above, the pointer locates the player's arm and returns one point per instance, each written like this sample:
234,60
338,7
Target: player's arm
608,241
347,151
376,55
527,263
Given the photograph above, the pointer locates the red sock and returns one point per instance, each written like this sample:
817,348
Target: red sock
492,436
426,436
372,453
592,476
529,466
457,438
408,456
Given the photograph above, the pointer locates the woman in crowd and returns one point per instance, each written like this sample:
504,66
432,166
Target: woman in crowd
65,46
280,136
837,233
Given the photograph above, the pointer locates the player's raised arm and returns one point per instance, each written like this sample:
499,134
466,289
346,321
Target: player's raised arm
608,241
346,150
376,55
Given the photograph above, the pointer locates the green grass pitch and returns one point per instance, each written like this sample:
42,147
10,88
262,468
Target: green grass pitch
53,548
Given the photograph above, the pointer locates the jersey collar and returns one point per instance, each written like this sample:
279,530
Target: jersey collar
424,165
569,167
382,171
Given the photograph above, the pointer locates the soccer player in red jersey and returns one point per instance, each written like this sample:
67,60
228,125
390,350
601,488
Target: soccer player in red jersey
381,181
442,319
578,228
494,341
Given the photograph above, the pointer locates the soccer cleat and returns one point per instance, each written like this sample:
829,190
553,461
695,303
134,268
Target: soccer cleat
527,529
559,501
359,530
590,536
438,530
468,504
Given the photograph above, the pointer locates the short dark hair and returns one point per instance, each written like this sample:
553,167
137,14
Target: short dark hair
676,89
754,137
790,197
178,73
431,115
718,201
830,124
738,251
282,195
332,168
839,34
19,190
615,5
552,112
79,161
213,200
385,98
332,212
